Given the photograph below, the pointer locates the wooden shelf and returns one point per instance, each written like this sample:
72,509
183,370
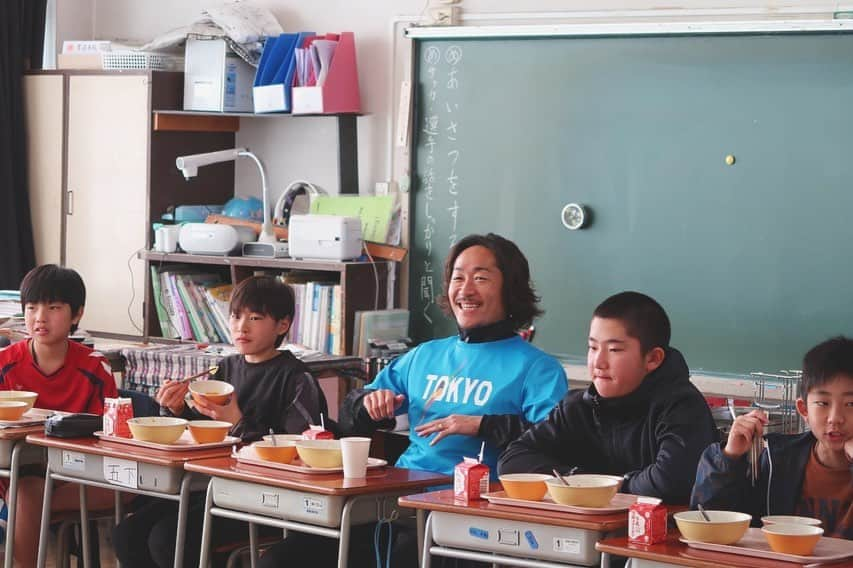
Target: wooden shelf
252,261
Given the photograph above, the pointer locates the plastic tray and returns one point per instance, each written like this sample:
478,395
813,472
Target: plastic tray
249,456
183,444
753,543
31,417
619,503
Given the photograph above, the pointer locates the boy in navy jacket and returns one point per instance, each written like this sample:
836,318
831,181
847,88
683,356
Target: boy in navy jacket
802,474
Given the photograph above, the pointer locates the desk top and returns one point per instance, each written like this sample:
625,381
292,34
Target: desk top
443,501
18,433
100,447
675,552
379,480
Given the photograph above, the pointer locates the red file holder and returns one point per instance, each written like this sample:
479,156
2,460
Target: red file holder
339,93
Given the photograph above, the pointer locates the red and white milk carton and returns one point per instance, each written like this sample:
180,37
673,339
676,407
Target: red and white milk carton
470,479
317,433
117,411
647,521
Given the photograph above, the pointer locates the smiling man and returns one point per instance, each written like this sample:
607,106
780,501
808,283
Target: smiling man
485,384
641,417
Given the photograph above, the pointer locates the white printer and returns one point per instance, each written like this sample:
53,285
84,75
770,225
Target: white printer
324,237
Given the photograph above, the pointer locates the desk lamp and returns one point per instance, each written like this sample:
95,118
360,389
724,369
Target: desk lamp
189,166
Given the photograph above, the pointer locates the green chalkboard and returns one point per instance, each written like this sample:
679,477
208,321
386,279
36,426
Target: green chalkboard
751,260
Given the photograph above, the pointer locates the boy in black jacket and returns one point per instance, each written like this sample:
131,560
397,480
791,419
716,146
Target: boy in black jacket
272,390
809,474
641,417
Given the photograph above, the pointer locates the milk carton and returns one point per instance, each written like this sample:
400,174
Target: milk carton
117,411
470,479
647,521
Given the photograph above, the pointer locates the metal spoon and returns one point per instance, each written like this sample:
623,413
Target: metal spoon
704,514
560,477
272,437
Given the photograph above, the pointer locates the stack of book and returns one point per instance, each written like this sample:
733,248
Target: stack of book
193,304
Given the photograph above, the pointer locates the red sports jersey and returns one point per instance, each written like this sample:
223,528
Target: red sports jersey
80,385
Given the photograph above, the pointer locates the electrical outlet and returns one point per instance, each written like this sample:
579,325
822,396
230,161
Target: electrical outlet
445,16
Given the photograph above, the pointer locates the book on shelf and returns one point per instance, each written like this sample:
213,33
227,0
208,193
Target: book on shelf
186,313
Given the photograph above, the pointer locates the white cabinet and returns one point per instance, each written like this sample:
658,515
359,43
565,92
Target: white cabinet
88,162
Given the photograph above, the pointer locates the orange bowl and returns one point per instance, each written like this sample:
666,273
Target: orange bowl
216,392
281,453
725,527
12,409
208,431
792,538
24,396
527,486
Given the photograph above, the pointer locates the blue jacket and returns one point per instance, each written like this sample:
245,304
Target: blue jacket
503,377
722,483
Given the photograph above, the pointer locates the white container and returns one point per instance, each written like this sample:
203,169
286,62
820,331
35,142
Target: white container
324,237
215,78
355,452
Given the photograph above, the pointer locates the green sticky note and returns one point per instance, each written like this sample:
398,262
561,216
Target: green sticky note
374,211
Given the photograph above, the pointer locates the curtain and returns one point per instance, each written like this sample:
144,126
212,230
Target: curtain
21,46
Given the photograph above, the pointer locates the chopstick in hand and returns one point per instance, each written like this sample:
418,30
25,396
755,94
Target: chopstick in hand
212,370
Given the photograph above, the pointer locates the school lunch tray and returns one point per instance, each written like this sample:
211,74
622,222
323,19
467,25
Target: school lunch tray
619,503
32,417
248,455
753,543
183,444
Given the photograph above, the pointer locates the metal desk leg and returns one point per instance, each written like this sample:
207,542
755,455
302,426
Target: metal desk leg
207,527
12,502
419,519
44,530
253,544
119,514
343,544
183,505
605,560
84,528
427,542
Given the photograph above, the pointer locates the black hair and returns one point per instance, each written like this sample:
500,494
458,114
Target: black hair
52,283
825,362
643,317
518,294
264,295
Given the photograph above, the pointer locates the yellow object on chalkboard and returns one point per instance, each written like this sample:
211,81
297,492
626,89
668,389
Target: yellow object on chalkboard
374,211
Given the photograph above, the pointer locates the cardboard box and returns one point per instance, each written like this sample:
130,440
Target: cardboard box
470,480
79,61
647,521
215,78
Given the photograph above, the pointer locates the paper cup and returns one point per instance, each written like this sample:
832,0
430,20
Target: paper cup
355,452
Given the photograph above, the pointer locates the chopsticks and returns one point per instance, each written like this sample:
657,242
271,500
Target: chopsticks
755,459
212,370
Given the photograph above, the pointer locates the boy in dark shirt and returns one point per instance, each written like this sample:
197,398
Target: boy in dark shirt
272,390
809,474
641,417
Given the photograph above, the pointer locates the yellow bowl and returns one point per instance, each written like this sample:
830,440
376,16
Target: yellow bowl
158,429
320,453
216,392
788,519
527,486
281,453
282,438
792,538
208,431
23,396
725,527
584,490
12,409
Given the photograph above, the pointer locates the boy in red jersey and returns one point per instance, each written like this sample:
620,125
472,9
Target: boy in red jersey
66,375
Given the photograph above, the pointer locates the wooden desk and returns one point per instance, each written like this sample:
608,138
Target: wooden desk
11,446
674,553
516,536
132,469
326,505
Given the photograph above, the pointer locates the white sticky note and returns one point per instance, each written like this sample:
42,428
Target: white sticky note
73,461
120,472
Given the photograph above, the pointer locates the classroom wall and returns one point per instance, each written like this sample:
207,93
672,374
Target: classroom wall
294,149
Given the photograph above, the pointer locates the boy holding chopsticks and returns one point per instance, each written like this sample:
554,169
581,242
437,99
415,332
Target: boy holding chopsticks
802,474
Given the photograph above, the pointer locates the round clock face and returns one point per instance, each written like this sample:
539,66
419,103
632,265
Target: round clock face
573,216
